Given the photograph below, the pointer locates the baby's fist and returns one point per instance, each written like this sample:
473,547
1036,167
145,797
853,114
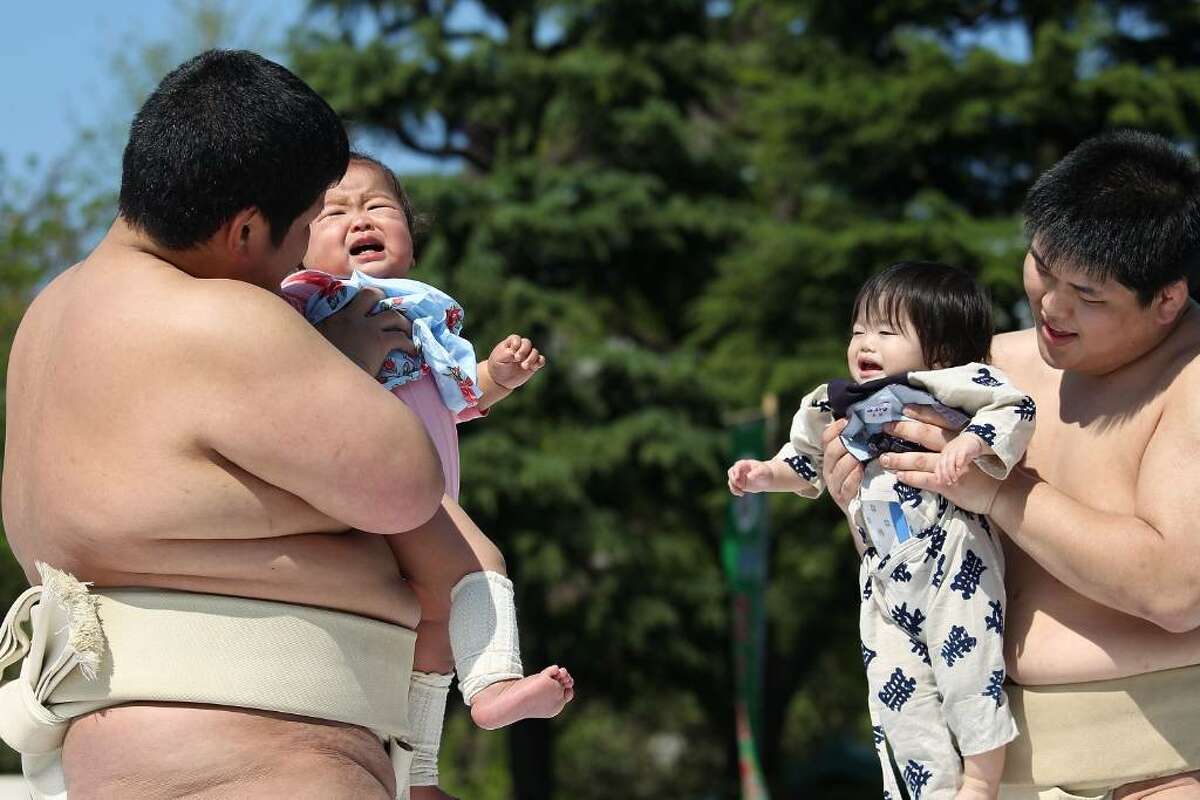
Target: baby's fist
749,475
958,456
513,361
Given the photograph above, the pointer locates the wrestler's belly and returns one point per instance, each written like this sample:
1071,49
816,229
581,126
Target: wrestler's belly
146,752
161,752
1054,635
353,571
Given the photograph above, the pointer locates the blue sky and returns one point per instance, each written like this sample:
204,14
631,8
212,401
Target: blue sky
58,62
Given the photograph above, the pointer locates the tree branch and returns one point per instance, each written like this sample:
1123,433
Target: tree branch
445,150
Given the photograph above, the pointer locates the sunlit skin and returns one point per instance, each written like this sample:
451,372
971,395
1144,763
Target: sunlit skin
880,347
1103,571
1084,325
144,448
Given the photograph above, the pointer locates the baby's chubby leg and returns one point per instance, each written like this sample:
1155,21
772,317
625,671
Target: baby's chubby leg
434,558
466,601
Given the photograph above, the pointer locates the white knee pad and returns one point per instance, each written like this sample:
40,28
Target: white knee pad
483,632
426,710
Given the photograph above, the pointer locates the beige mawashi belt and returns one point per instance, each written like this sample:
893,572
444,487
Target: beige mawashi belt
1080,740
86,651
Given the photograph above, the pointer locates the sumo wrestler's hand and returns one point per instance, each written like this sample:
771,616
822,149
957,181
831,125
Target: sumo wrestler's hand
366,337
842,472
974,491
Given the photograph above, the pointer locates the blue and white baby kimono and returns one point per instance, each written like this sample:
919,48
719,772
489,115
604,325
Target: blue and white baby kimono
436,324
932,575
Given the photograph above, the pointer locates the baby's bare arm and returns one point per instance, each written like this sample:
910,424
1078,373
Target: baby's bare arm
776,475
492,392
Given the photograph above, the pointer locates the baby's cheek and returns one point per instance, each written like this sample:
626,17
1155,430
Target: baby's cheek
326,256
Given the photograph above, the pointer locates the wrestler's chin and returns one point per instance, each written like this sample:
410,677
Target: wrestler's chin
1059,355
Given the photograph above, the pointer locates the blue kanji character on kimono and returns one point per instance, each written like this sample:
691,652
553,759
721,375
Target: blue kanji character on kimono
1026,409
921,649
909,621
916,776
937,540
987,432
967,579
901,573
867,655
803,467
995,620
957,645
984,378
995,687
898,690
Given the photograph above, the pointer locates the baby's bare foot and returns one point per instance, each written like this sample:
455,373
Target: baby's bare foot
427,793
539,696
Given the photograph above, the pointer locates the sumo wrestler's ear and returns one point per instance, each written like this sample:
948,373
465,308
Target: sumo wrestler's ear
1170,300
244,233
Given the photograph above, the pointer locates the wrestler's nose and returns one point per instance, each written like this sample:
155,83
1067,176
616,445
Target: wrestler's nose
1052,304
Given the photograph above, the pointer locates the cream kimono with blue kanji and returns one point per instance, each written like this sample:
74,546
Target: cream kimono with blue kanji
932,575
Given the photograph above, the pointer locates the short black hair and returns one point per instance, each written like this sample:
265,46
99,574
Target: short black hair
1124,205
414,220
225,131
949,311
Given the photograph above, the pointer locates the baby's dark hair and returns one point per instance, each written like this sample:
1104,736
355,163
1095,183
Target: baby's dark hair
1124,205
416,222
949,311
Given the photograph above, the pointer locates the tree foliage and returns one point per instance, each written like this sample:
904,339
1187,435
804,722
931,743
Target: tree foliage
681,203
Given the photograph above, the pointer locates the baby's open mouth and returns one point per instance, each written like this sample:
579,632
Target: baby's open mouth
366,247
869,365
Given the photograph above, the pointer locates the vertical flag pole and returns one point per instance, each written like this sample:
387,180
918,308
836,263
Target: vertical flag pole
744,551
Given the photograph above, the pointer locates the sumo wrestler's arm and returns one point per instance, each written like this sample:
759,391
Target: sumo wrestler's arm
283,404
1145,563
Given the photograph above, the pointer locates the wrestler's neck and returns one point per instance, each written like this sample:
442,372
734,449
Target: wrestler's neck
213,258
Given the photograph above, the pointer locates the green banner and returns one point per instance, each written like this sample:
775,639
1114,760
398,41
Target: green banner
744,551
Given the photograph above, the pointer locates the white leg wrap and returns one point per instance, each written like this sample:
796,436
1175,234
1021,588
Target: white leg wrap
426,710
483,632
